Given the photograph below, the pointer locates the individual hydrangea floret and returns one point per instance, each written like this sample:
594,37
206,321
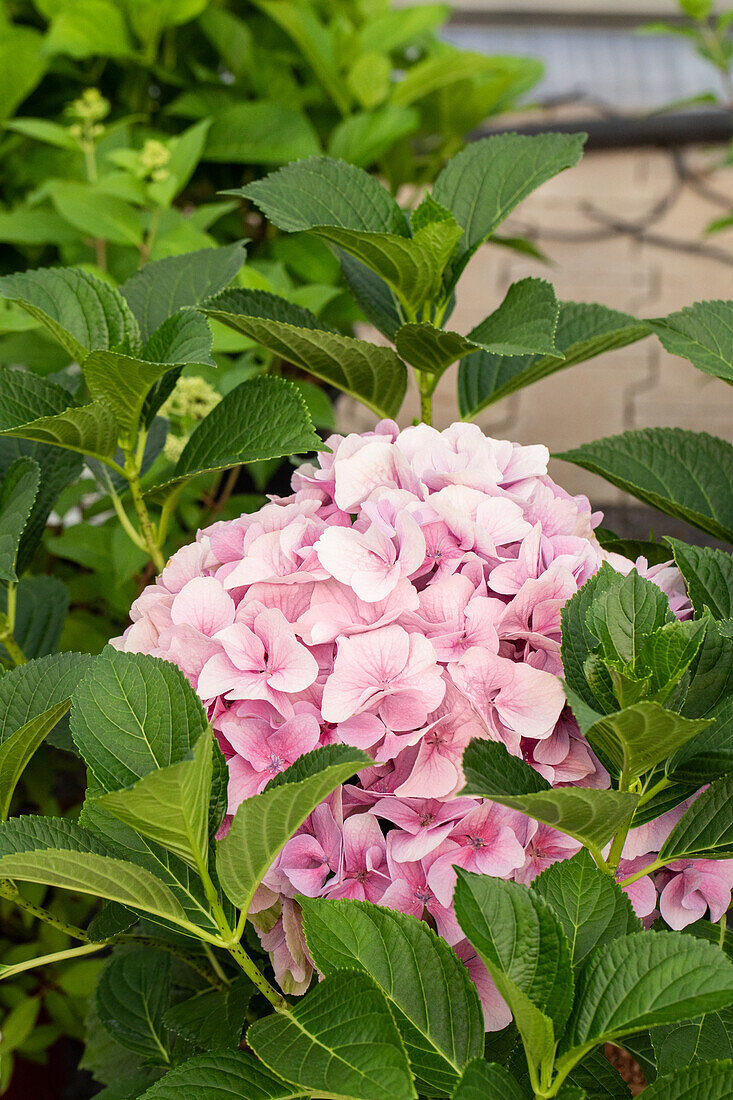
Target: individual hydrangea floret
404,599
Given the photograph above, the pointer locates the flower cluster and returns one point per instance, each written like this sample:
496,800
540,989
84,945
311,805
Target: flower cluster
404,599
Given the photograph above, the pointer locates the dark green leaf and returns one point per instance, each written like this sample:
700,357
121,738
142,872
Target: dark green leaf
623,615
89,430
599,1080
707,1038
705,831
372,295
709,1081
18,492
641,736
578,641
490,769
708,574
29,690
487,1079
710,755
42,603
224,1075
17,749
212,1019
133,993
702,333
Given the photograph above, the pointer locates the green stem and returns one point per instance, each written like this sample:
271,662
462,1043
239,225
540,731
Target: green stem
426,408
45,960
147,531
125,521
644,871
653,791
215,965
257,978
17,655
11,892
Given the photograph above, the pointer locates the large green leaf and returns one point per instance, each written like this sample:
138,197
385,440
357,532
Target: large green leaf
171,805
320,191
624,614
702,333
260,133
18,492
642,980
704,1039
526,951
89,430
578,641
591,816
133,993
53,852
183,338
708,574
434,1002
482,185
374,375
42,604
224,1075
17,749
29,690
339,1040
97,213
688,475
372,295
213,1018
263,824
641,736
160,289
708,1081
584,330
487,1079
22,64
597,1077
705,831
133,714
710,755
81,312
593,910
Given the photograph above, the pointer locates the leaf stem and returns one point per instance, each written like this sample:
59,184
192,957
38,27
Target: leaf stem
663,783
45,960
215,965
147,531
17,655
125,521
256,976
644,871
10,892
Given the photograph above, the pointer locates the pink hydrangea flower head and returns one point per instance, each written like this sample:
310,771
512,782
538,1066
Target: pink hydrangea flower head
404,599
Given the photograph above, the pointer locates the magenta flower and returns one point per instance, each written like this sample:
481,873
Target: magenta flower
363,873
485,841
690,887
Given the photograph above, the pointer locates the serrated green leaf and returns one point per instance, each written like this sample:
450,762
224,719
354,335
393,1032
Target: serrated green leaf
320,191
483,1079
171,805
702,333
708,574
578,641
597,1079
133,714
340,1039
434,1002
18,492
260,419
688,475
591,816
183,338
89,430
29,690
667,653
133,993
264,823
79,311
584,330
705,831
641,736
526,951
707,1038
592,909
710,755
260,133
17,750
224,1075
160,289
642,980
430,349
375,375
624,614
482,185
372,295
709,1081
212,1019
42,603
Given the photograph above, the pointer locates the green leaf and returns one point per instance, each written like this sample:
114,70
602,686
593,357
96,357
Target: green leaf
597,1079
260,133
133,714
160,289
642,980
710,755
22,65
702,333
81,312
487,1079
591,816
578,641
263,824
40,129
366,136
707,1038
260,419
705,831
709,1081
641,736
591,907
434,1002
224,1075
688,475
374,375
52,852
29,690
526,952
212,1019
667,653
584,330
372,295
320,191
133,993
181,339
17,496
96,213
171,805
89,430
708,574
17,749
87,29
340,1039
623,615
482,185
41,609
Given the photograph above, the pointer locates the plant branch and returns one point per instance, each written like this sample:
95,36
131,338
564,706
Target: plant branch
45,960
147,531
10,892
